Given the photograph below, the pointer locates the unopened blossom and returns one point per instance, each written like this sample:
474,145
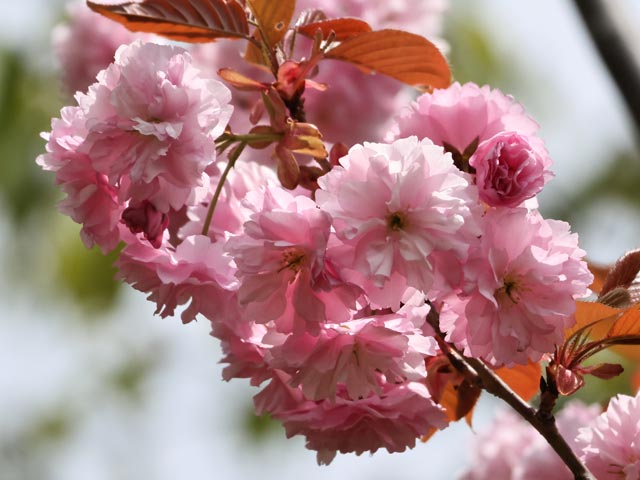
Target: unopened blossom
523,281
461,116
400,210
394,420
510,168
196,272
281,261
86,43
611,446
510,448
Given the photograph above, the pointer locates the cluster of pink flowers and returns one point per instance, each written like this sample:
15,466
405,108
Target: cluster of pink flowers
606,442
324,298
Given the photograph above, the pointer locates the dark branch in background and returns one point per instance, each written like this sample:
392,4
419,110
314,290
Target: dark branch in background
615,51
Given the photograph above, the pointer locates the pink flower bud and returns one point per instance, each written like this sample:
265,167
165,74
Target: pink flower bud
144,218
510,168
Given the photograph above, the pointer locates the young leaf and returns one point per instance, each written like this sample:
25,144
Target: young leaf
183,20
343,28
404,56
240,81
623,272
588,313
523,379
599,275
273,17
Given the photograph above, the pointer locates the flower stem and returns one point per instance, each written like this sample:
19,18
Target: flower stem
233,156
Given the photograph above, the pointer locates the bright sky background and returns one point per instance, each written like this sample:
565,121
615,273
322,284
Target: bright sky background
191,429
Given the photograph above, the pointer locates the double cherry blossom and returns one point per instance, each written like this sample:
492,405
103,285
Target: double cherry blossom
322,298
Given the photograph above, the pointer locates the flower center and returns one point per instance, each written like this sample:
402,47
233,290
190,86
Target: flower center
292,259
397,221
510,288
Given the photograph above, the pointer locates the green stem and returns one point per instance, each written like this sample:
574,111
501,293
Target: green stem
233,156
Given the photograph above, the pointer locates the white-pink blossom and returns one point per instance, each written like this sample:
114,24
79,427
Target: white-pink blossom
139,141
394,420
402,212
461,115
611,446
352,355
522,283
196,272
153,120
280,259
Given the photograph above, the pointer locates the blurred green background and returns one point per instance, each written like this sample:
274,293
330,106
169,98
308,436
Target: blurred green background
93,386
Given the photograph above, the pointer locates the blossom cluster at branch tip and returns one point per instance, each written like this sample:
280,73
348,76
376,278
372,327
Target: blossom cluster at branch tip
321,296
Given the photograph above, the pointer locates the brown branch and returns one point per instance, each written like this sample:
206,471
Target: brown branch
546,426
615,51
489,381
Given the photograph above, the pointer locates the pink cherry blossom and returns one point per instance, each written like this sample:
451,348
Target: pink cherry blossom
195,272
611,446
355,353
523,280
229,214
393,421
90,200
400,209
241,341
281,262
510,169
86,44
139,141
153,119
460,114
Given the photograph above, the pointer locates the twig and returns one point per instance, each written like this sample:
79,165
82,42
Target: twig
614,50
493,384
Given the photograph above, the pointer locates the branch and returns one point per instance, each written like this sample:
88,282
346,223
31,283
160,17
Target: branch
614,50
489,381
546,426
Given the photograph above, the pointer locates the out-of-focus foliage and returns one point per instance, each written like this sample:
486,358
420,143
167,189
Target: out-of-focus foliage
620,179
28,99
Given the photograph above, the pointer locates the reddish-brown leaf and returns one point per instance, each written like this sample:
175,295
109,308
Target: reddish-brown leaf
343,28
523,379
404,56
273,17
588,313
623,273
599,274
618,327
183,20
240,81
